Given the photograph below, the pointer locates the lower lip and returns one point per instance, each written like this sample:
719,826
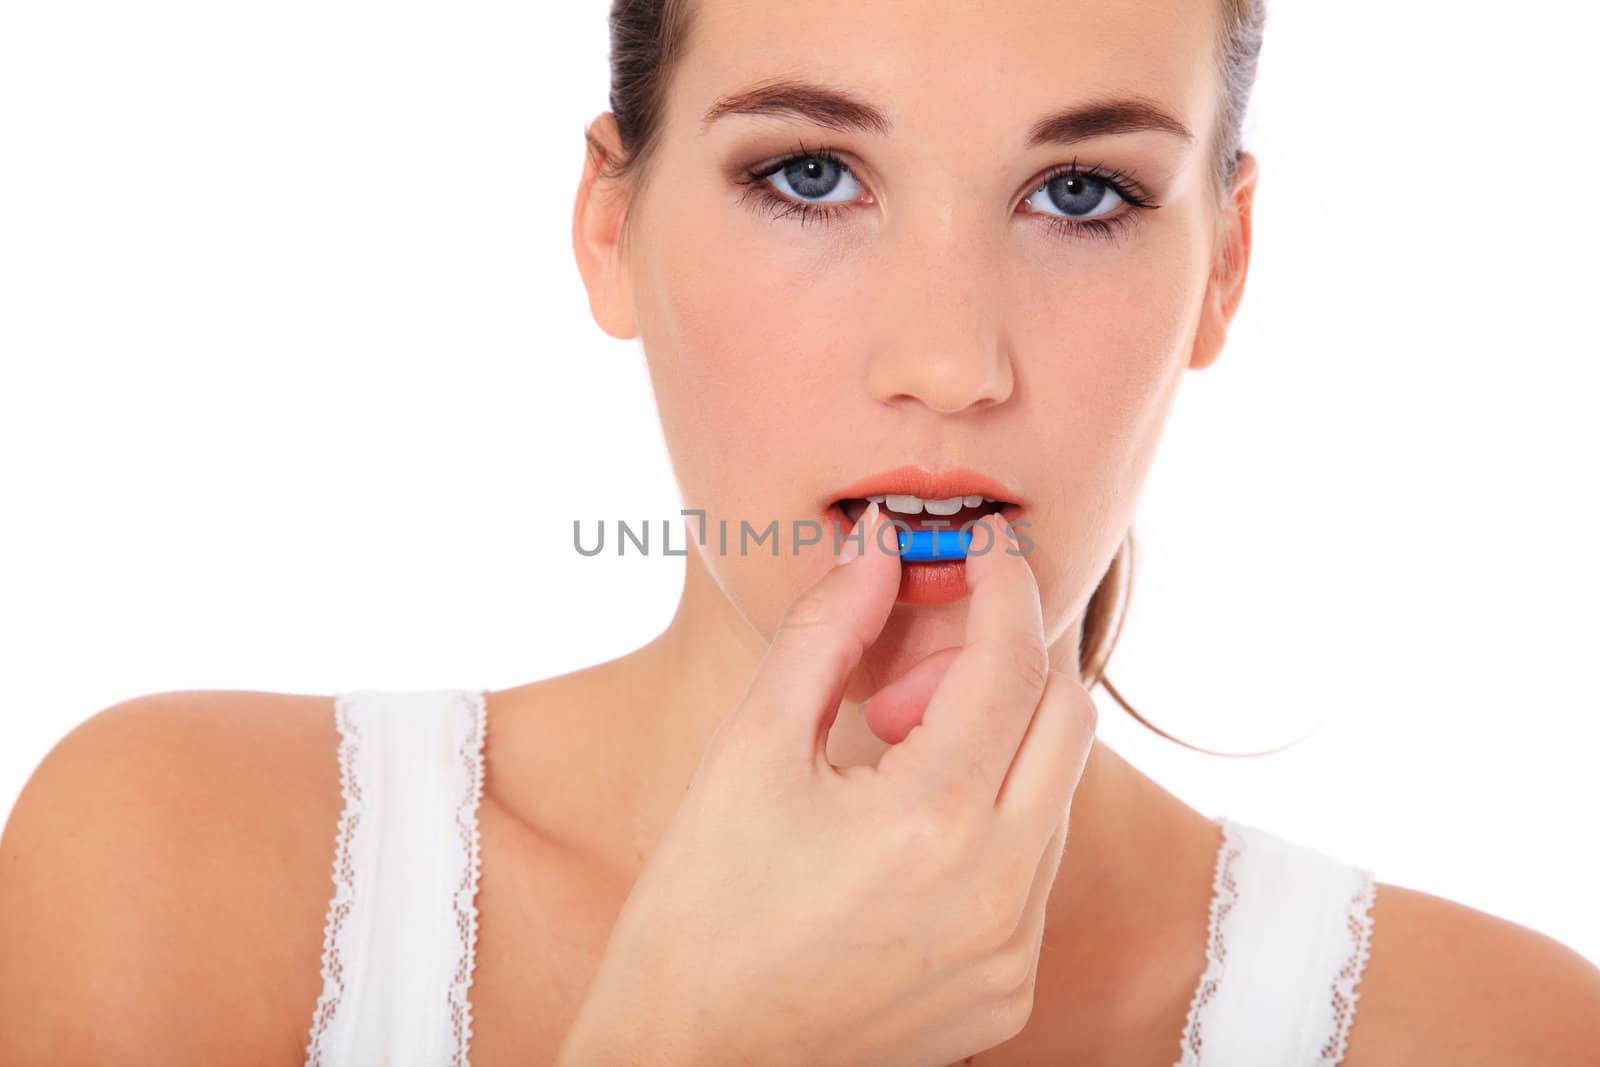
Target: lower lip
920,583
932,583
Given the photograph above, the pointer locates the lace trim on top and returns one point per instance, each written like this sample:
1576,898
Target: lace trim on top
470,737
1342,996
470,749
343,882
1224,895
1358,920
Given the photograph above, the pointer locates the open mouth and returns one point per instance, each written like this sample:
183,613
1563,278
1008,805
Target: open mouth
928,581
917,513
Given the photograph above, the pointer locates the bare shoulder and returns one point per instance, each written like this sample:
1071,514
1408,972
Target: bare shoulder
164,876
1447,983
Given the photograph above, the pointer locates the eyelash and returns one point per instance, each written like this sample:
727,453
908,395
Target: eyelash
777,205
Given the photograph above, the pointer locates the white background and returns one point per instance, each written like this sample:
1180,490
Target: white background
300,392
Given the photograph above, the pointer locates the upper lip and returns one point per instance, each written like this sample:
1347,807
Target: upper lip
912,480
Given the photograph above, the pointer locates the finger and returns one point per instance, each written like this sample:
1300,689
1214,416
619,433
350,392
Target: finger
898,706
1049,763
978,714
794,696
1031,925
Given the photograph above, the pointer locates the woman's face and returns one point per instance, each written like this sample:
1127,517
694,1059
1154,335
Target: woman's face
922,294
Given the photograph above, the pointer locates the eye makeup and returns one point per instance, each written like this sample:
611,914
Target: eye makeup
1095,178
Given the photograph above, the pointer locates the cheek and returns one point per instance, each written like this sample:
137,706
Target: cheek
1102,342
748,328
745,375
1105,335
745,389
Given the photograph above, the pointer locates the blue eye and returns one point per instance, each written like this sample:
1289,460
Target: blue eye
807,173
1086,197
1077,196
814,176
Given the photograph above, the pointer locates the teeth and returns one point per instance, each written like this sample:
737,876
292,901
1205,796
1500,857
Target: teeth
906,504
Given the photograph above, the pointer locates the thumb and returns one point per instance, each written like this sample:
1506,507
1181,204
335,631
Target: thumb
793,699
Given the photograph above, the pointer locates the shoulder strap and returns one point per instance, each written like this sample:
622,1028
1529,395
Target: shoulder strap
1290,934
402,925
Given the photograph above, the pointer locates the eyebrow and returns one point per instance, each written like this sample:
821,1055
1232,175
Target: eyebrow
840,110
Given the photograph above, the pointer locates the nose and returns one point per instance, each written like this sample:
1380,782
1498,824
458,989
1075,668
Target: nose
939,337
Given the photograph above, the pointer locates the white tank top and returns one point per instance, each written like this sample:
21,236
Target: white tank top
1289,932
402,928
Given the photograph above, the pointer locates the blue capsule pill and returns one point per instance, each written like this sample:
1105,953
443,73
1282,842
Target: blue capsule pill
921,546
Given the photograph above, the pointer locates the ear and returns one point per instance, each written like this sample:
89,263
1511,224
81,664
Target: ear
597,217
1230,264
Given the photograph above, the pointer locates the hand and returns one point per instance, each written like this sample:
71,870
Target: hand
798,913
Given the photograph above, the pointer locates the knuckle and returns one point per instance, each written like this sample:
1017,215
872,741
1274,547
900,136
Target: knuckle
944,802
992,917
929,846
1027,658
1020,870
1074,702
1088,710
1019,1010
974,763
920,841
1011,1014
1018,960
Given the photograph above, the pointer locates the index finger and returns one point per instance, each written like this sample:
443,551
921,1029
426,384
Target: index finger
977,717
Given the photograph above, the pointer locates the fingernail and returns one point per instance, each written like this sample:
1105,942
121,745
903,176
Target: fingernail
856,539
1002,530
997,533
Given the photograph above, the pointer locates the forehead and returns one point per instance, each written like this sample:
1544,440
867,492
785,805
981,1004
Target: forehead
968,68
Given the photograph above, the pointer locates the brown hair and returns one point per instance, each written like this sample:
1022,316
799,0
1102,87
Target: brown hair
648,37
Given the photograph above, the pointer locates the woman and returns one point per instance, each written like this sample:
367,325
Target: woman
834,814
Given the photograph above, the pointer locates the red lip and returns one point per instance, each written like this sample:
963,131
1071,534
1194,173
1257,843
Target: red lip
925,583
929,485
